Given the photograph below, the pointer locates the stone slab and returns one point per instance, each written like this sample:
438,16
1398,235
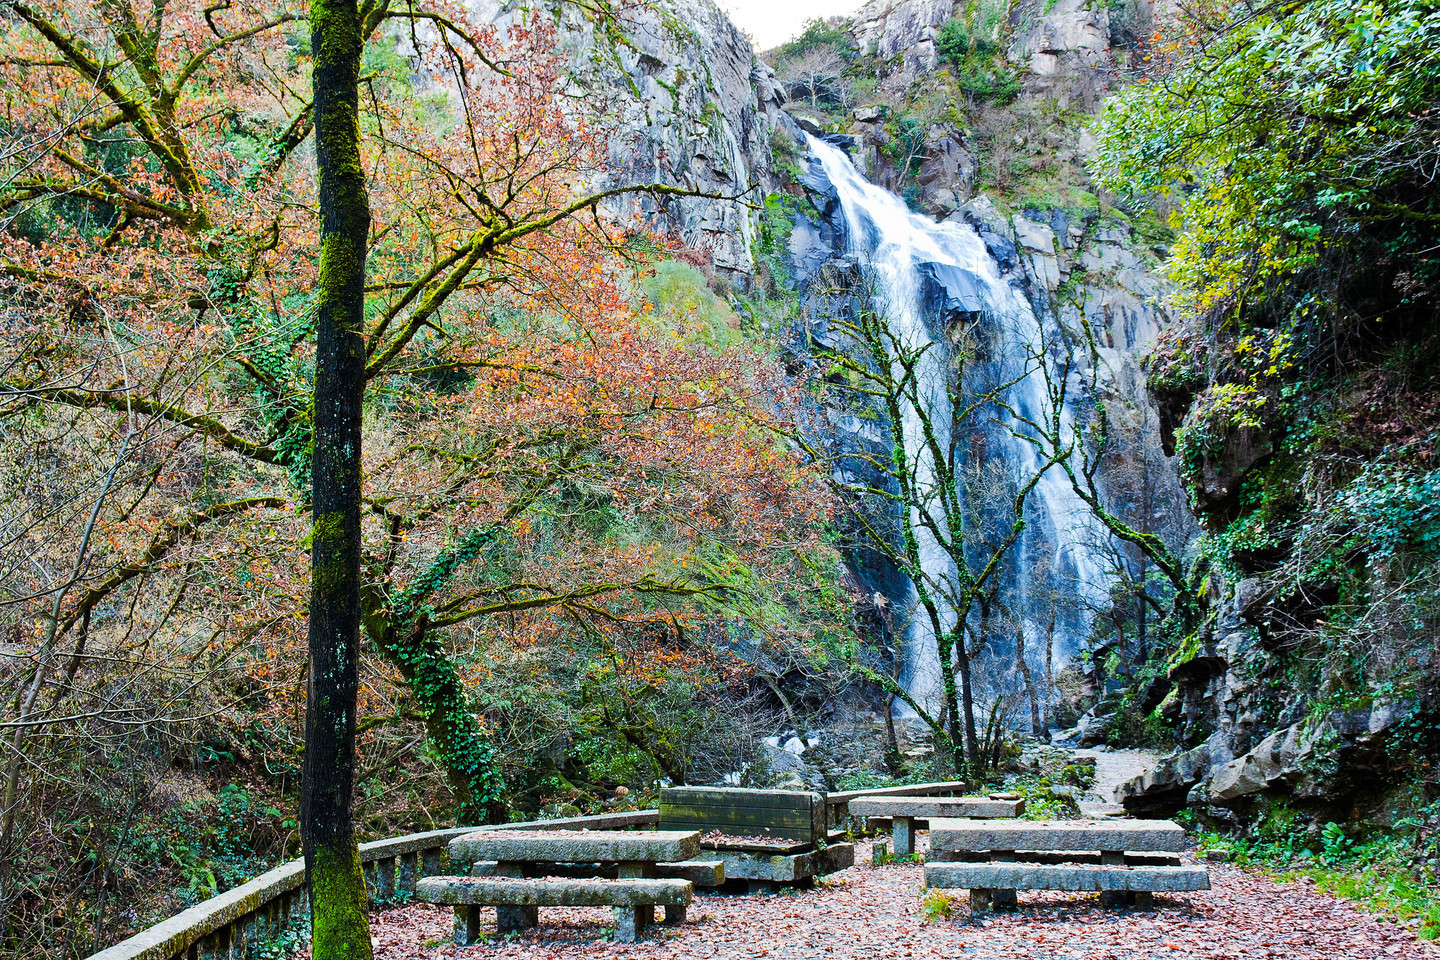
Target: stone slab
1039,876
500,891
1035,856
908,790
571,846
701,873
790,868
778,869
836,857
794,815
968,836
928,808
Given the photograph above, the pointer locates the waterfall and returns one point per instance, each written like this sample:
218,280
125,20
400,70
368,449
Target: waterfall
920,270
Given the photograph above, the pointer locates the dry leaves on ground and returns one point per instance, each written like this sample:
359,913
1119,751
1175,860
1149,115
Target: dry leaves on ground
870,913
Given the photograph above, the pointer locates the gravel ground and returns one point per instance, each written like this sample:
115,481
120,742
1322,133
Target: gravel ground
875,913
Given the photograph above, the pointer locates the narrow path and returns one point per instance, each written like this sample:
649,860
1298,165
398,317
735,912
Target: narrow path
1114,767
868,913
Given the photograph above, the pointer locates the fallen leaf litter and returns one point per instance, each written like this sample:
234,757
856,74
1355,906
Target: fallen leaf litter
870,913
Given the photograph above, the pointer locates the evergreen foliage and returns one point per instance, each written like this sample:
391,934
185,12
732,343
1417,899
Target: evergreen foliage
1298,144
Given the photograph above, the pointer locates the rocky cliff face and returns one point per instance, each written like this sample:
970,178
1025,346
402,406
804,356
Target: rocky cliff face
901,35
1261,742
1063,35
702,111
693,107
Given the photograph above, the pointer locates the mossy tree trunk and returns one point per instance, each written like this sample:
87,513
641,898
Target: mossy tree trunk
341,929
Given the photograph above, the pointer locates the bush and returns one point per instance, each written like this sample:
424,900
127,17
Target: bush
975,62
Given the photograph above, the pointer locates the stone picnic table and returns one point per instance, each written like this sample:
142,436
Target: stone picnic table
500,860
1123,860
904,812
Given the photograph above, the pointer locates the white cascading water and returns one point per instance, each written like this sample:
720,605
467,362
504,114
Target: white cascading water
899,247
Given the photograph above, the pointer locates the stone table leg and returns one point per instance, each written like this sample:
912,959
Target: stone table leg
467,924
639,870
628,925
1113,898
514,919
902,832
980,899
1004,899
1142,900
674,916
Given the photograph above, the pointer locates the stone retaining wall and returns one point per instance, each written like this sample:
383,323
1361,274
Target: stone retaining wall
226,926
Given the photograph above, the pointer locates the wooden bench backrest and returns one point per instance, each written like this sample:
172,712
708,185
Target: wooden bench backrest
783,814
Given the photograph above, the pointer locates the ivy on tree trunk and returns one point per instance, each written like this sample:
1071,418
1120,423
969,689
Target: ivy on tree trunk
341,929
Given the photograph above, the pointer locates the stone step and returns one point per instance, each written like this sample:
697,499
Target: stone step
507,892
789,868
1040,876
929,808
968,836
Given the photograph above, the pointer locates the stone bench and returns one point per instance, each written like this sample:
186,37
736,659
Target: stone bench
906,813
838,802
994,859
517,901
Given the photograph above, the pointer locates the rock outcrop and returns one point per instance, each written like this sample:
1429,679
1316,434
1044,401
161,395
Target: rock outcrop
692,106
1064,32
1259,744
901,35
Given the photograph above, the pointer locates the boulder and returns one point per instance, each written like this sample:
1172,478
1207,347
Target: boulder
1162,790
950,293
811,125
1093,727
1038,240
1006,256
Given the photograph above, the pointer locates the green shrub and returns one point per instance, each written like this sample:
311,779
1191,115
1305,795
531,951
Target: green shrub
937,905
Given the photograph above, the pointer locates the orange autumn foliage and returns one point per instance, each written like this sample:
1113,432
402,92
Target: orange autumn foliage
158,276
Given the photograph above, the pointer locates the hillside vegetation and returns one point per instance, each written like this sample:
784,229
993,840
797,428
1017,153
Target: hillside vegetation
602,546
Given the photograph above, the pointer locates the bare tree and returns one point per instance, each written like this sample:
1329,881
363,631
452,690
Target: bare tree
930,493
819,72
1076,432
